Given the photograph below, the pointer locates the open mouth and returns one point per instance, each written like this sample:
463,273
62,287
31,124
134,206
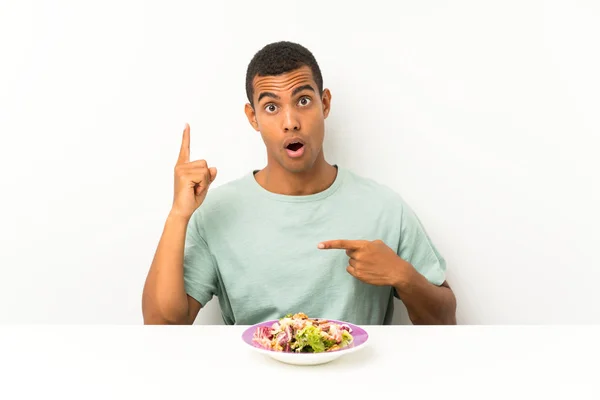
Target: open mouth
294,146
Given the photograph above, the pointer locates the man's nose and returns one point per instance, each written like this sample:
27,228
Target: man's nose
291,121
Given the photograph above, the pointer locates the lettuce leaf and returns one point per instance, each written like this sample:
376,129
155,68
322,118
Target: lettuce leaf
309,340
346,338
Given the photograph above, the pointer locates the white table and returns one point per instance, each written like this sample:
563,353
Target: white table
201,362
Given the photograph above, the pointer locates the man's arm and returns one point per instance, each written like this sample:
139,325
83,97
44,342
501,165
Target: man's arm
419,274
375,263
164,300
426,303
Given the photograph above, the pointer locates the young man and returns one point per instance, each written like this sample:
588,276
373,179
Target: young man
300,235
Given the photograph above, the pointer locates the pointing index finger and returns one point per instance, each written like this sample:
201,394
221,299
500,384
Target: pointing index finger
184,152
342,244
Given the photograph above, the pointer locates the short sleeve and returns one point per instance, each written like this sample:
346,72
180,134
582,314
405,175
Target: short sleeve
199,266
417,248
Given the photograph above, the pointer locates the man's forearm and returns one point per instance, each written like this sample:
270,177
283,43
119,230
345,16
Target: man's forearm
164,298
427,304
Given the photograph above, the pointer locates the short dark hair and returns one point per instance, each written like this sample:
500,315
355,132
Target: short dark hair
278,58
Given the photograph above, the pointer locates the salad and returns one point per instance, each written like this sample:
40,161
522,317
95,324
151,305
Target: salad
299,334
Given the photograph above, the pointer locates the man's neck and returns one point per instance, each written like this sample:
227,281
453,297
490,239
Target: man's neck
278,180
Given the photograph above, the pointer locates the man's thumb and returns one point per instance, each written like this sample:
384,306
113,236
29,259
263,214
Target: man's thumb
213,173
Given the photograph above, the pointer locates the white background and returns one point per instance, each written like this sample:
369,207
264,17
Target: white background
482,115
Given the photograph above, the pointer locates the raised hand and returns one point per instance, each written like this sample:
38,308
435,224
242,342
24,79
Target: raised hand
192,180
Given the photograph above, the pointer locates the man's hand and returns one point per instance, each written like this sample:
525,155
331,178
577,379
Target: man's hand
372,262
192,180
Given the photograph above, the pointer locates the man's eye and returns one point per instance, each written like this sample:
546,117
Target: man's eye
270,108
304,101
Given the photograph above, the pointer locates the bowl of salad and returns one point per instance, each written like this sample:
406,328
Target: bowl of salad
300,340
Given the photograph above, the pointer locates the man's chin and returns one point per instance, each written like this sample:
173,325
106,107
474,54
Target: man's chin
298,167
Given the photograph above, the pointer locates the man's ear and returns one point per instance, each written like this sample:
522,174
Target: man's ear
326,100
251,115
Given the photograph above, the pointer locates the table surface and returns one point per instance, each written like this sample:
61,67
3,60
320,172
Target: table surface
182,362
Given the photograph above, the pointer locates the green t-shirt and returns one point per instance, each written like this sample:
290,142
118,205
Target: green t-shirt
257,251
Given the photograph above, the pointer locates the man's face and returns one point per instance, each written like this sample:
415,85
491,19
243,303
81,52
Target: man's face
290,115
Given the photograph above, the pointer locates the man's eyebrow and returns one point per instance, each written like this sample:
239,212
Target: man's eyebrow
301,88
295,92
267,94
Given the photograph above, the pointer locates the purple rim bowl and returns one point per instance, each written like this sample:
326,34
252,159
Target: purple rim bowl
359,334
